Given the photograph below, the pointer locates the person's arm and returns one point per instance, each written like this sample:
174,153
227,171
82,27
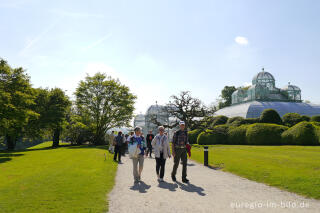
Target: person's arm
153,143
168,146
173,142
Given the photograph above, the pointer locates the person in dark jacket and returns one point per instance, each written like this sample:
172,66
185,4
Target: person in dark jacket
179,151
118,142
150,137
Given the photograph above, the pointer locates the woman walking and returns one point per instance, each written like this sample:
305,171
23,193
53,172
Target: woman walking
162,152
137,140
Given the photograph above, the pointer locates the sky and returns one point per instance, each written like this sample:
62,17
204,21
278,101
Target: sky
159,48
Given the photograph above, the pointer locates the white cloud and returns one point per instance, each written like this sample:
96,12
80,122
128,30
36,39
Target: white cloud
241,40
246,84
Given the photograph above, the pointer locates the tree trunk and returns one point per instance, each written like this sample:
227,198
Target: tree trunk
56,137
11,142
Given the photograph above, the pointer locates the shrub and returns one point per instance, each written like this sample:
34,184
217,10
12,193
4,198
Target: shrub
193,135
303,133
315,118
220,120
265,134
235,121
218,135
291,119
270,116
251,121
305,118
237,135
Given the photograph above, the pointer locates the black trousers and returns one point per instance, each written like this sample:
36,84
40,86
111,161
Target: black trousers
149,150
117,151
160,165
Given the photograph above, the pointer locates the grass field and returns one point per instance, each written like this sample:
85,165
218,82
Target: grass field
293,168
66,179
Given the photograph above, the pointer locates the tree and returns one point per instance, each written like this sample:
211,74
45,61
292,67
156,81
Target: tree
16,100
226,95
184,107
106,102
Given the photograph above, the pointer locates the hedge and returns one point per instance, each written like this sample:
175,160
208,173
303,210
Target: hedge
193,135
265,134
304,133
270,116
291,119
218,135
220,120
237,135
315,118
237,121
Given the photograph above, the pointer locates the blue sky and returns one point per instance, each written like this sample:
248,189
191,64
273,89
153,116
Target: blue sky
159,48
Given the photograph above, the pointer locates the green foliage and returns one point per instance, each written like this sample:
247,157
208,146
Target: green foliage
315,118
16,100
106,103
236,121
251,121
270,116
305,118
265,134
226,95
220,120
303,133
237,135
193,135
291,119
218,135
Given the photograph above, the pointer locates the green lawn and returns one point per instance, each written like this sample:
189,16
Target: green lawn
66,179
293,168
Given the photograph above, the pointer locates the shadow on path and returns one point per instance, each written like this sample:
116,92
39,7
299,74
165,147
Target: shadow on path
141,187
170,186
191,188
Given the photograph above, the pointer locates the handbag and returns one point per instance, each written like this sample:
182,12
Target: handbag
134,151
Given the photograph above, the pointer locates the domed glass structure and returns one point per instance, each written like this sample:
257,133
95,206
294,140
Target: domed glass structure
157,112
264,89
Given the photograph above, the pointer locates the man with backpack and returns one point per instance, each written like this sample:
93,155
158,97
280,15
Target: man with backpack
118,143
179,151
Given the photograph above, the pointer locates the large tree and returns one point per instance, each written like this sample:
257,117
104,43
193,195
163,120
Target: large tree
106,102
226,95
184,107
16,100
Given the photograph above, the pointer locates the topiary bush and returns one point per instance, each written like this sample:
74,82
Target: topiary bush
237,135
265,134
291,119
218,135
315,118
235,121
303,133
220,120
270,116
193,135
305,118
251,121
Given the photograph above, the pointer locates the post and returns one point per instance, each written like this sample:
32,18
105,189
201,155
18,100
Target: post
205,155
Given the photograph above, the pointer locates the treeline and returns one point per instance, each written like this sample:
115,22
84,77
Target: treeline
26,112
269,129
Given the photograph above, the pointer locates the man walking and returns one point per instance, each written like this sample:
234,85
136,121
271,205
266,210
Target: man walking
150,137
118,142
179,150
111,140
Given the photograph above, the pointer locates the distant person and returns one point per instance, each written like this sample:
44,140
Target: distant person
111,140
179,151
161,147
138,141
150,137
118,142
123,146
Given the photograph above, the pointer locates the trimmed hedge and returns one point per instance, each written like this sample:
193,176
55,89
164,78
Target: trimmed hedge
291,119
193,135
315,118
220,120
265,134
270,116
218,135
305,118
237,136
235,120
303,133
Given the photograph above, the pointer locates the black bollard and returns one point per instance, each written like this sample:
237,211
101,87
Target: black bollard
206,156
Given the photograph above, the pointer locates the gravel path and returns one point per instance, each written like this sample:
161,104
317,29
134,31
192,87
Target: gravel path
209,191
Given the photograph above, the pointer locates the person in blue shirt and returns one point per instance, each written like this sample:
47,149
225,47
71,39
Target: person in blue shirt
137,140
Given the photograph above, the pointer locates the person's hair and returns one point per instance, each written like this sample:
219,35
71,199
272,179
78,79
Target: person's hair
131,133
112,131
120,133
137,128
160,127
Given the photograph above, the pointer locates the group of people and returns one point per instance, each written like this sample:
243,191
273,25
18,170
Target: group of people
160,145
